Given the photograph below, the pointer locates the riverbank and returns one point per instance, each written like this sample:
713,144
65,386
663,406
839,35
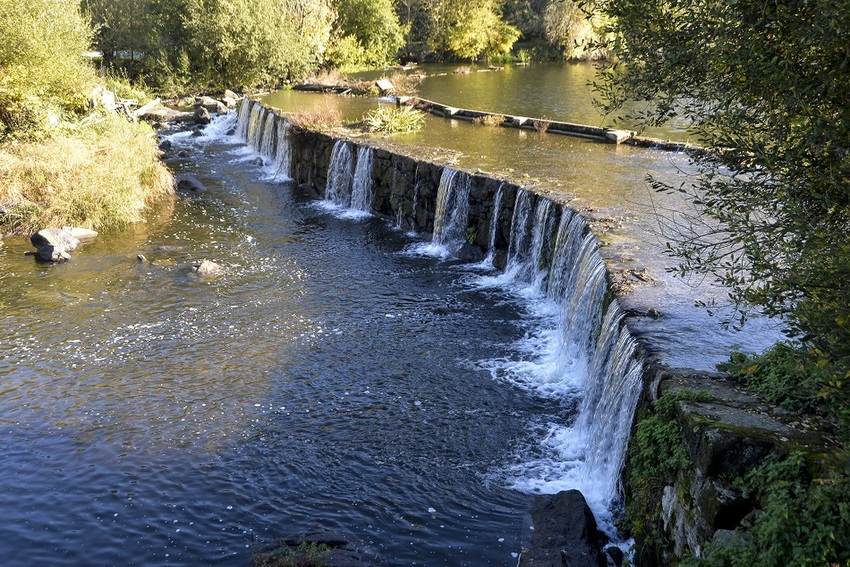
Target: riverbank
95,173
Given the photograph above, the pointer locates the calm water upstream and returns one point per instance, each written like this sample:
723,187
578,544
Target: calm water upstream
152,418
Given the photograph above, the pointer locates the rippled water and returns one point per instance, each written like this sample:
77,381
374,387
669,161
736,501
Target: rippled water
328,378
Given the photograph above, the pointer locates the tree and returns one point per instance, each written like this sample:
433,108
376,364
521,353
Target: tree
569,28
42,70
369,34
469,29
766,87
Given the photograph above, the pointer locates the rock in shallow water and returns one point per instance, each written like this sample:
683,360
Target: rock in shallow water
564,533
207,269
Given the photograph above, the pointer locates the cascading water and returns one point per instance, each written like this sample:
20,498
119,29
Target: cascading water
452,210
362,185
244,118
255,131
283,156
340,175
592,356
266,148
494,224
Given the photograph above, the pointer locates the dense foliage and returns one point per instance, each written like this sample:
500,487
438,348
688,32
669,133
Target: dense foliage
805,519
177,45
766,88
42,72
61,160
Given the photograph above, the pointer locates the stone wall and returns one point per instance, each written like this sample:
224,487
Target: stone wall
406,189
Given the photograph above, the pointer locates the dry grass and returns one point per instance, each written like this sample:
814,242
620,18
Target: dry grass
100,173
319,119
490,120
463,70
541,125
330,77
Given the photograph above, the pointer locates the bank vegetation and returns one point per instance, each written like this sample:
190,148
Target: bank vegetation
65,159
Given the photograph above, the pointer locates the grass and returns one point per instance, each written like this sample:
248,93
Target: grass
95,173
394,119
490,120
319,119
541,125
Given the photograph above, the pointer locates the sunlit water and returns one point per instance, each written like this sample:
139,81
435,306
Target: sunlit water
329,378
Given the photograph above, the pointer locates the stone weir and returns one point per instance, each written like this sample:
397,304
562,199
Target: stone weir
545,244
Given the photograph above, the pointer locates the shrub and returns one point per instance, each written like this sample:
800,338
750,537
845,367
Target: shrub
95,174
42,72
490,120
394,119
302,555
319,119
804,521
654,455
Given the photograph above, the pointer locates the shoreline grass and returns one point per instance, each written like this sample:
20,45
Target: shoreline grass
100,172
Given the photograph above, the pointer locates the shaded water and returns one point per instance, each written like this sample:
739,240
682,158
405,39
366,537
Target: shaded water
150,417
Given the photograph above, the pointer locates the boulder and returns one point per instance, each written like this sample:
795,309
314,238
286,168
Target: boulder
207,269
50,253
165,145
206,102
221,108
55,237
470,253
230,94
190,183
82,234
229,102
201,116
564,533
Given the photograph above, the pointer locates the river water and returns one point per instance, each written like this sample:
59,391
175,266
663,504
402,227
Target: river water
332,377
328,378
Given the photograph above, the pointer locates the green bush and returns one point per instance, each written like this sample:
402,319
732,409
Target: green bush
43,75
394,119
805,520
655,453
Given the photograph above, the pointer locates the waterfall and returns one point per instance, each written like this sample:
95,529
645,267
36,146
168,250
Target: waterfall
244,118
254,126
266,147
591,356
494,225
452,210
362,185
283,156
414,223
340,175
520,232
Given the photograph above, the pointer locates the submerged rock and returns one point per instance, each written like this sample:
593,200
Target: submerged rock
83,235
190,183
564,533
50,253
470,253
318,547
207,269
